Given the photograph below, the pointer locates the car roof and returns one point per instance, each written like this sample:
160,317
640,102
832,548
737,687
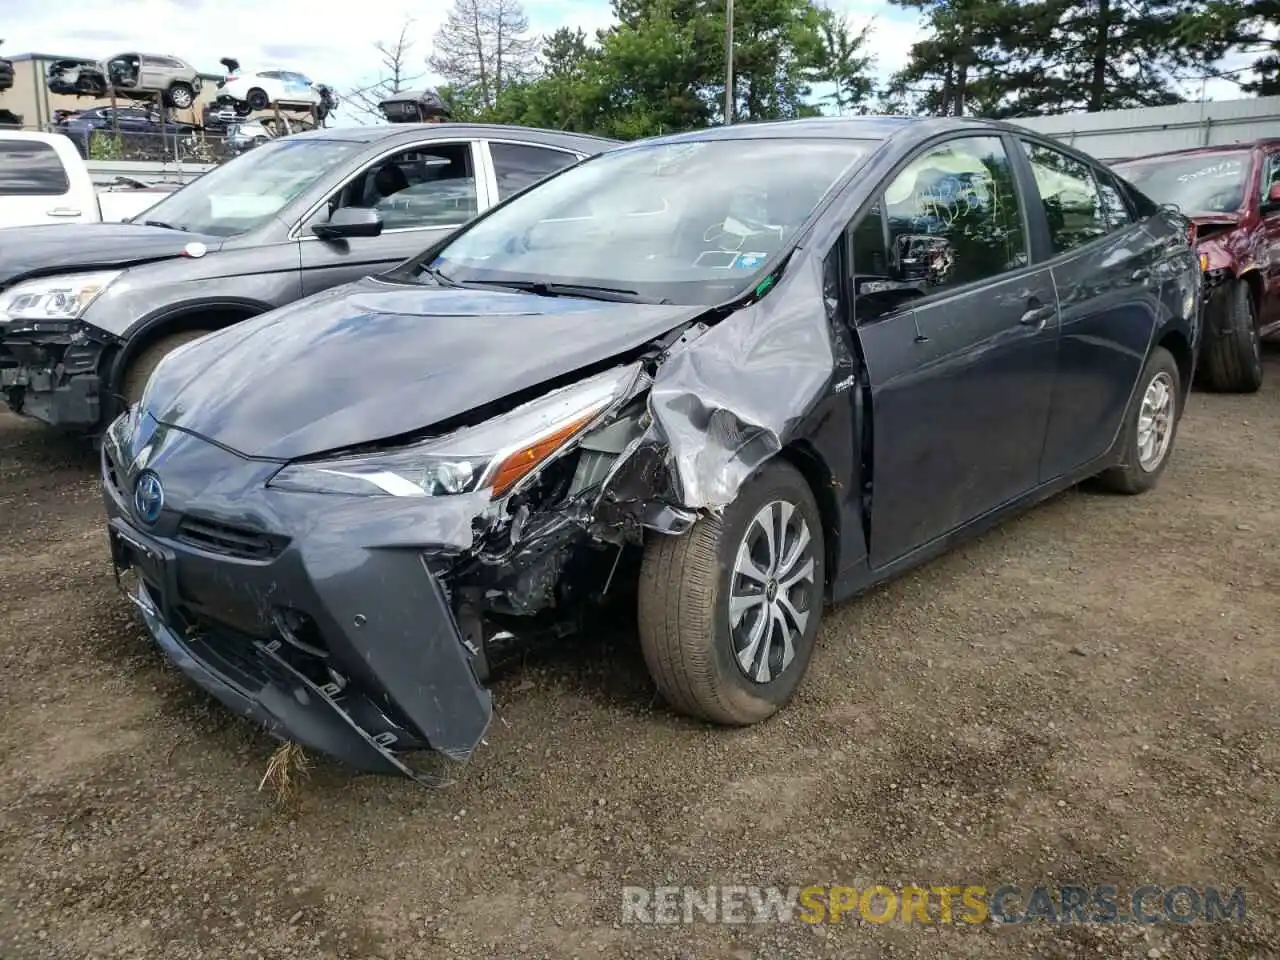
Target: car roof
1194,151
392,132
905,131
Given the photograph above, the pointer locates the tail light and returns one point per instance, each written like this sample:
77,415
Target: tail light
1191,235
231,77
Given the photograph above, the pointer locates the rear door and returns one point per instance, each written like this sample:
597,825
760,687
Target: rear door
1105,265
434,191
959,330
41,183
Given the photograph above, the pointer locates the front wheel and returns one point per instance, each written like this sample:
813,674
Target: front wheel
1231,358
257,99
1150,425
145,363
729,612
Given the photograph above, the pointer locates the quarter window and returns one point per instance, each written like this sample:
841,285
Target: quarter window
1069,194
30,168
1114,206
517,165
952,217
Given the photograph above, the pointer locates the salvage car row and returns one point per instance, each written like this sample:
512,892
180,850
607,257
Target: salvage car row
382,406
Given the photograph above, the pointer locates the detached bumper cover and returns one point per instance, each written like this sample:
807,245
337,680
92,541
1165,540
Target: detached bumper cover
390,673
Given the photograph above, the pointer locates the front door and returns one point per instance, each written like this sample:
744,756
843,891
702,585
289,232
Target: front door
423,193
1270,256
959,334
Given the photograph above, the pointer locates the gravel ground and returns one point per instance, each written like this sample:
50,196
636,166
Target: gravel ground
1087,693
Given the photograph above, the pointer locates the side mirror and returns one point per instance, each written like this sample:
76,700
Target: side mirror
922,257
350,222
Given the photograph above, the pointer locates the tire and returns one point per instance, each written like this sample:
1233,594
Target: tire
684,597
180,95
257,99
1231,362
145,363
1132,475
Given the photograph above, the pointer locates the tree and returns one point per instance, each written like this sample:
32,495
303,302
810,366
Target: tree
483,47
393,75
1019,57
1258,24
844,63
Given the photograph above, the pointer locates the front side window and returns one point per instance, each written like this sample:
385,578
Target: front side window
691,222
30,168
245,193
1070,197
1270,177
424,187
517,165
1196,183
951,218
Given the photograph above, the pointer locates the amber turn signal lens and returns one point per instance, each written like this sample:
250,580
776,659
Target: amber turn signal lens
519,464
1204,261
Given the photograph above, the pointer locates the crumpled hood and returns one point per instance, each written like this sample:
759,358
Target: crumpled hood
67,247
373,360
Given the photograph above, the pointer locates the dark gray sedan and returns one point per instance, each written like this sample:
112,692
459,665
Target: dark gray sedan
726,377
87,311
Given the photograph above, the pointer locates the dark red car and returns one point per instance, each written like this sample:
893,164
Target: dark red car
1232,195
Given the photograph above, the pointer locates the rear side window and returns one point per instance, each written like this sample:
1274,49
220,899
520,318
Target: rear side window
517,165
1072,203
29,168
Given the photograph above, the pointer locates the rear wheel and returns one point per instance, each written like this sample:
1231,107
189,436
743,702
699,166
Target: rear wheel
181,95
1231,360
145,363
729,612
1150,426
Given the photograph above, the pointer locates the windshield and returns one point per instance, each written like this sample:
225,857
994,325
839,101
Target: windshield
246,192
1200,183
689,223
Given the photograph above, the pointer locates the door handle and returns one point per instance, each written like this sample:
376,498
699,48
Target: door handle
1036,316
1140,275
62,212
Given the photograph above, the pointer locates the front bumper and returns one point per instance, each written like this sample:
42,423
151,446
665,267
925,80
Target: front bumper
324,633
74,401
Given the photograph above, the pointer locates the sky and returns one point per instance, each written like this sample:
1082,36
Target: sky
338,48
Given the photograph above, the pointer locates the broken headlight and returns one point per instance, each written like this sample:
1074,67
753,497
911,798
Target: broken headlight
62,297
495,455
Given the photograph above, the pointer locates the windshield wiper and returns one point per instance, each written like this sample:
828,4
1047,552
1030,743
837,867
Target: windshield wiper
585,290
437,276
166,226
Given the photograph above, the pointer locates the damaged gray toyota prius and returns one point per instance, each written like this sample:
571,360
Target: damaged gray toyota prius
745,372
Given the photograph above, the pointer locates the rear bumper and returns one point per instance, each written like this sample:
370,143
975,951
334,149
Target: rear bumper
322,636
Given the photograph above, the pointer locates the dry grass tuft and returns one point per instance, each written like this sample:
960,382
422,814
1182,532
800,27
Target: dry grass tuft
287,766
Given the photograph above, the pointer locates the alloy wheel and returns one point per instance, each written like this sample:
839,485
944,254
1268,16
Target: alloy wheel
1155,422
771,591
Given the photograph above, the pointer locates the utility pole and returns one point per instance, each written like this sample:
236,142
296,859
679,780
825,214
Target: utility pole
728,61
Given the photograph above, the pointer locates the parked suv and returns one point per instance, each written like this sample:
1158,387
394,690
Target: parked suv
145,74
1232,196
86,312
